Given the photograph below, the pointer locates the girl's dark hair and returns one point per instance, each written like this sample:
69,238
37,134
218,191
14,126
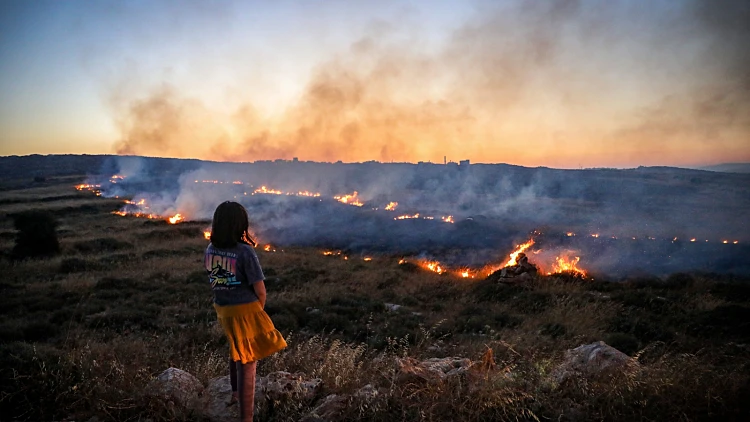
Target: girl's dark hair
230,226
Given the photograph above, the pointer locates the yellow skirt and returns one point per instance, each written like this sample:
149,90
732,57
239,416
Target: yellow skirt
250,331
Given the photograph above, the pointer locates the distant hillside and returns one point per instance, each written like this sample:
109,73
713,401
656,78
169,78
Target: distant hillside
729,168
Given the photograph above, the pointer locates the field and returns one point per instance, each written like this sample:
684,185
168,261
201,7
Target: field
82,333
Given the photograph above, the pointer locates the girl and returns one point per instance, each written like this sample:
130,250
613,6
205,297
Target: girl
239,299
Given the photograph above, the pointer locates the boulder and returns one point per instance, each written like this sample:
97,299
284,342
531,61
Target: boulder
594,360
282,385
432,370
177,386
334,404
216,396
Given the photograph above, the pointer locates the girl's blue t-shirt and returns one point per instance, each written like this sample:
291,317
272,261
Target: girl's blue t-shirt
232,273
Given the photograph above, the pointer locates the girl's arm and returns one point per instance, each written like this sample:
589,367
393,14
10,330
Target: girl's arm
260,291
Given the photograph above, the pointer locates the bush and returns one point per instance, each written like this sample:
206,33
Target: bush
37,235
74,265
531,302
495,292
731,321
626,343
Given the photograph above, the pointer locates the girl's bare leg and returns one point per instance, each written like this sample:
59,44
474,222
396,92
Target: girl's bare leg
233,379
246,384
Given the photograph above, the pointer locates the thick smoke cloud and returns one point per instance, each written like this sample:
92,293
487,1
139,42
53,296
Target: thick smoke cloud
624,221
587,81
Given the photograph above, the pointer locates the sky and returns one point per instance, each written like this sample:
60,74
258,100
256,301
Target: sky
557,83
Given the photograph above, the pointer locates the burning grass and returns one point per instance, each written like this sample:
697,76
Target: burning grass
83,333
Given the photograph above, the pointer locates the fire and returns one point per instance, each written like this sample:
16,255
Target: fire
307,193
405,217
567,265
520,248
391,206
265,190
349,199
331,253
570,234
92,188
401,261
692,240
207,234
367,259
269,248
725,241
433,266
175,218
595,235
736,242
447,219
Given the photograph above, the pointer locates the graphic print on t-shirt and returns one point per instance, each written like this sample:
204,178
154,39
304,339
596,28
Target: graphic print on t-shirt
221,267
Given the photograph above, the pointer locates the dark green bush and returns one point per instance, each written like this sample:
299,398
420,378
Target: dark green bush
729,321
624,342
495,292
643,326
531,301
37,235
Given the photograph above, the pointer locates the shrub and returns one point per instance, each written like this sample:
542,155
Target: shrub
531,302
731,321
37,236
626,343
74,265
495,292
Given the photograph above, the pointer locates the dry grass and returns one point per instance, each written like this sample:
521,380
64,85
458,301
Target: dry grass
82,333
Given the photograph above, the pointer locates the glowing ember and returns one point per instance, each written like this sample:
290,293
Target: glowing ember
514,255
447,219
269,248
349,199
725,241
401,261
692,240
331,253
570,234
567,265
175,218
237,182
367,259
265,190
207,234
595,235
391,206
405,217
306,193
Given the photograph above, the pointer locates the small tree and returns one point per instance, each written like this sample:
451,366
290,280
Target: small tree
36,235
